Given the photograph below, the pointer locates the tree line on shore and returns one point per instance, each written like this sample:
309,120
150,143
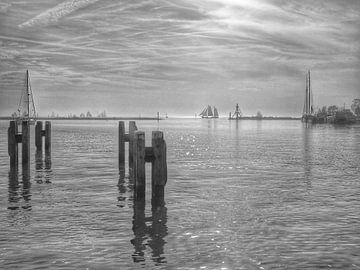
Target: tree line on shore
81,115
333,109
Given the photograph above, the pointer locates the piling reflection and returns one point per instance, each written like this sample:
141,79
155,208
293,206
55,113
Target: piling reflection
131,175
17,190
122,173
38,160
139,228
125,189
48,163
122,189
149,231
14,186
158,231
26,193
43,172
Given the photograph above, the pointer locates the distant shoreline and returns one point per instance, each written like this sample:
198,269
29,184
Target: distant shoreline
267,118
155,118
88,118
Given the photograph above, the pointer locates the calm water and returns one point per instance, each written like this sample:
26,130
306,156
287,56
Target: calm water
240,195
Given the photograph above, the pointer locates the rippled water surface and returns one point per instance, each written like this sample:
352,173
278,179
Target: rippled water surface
240,195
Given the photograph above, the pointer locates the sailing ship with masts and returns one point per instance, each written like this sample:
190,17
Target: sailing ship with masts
309,116
308,110
26,110
208,112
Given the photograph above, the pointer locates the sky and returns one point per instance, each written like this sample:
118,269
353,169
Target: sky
140,57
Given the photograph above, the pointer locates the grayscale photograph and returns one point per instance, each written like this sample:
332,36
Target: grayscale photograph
178,134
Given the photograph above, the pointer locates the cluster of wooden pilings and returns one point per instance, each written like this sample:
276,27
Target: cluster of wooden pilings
14,138
139,154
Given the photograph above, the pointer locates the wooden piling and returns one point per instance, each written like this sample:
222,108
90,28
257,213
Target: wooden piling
38,136
132,129
47,139
13,146
121,145
25,146
139,168
159,167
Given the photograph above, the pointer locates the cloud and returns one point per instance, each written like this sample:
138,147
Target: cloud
4,7
54,14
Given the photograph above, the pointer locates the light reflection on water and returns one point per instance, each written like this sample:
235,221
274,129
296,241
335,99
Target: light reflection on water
240,195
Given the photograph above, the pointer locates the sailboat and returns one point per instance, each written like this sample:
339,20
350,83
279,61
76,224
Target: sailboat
216,114
208,113
308,111
26,109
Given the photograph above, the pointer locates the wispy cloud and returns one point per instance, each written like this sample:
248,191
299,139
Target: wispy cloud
54,14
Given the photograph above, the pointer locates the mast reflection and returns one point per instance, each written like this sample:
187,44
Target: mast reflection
307,157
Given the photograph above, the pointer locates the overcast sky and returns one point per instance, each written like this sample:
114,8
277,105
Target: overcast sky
136,57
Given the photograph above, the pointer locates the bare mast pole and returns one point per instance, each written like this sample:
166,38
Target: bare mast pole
28,94
33,108
307,96
309,92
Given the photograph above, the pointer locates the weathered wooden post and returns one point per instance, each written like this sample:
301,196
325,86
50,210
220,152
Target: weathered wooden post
39,133
159,167
13,146
38,144
139,168
25,139
132,129
47,139
38,136
121,145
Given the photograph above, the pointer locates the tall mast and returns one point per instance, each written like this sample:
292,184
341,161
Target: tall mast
28,94
309,93
306,93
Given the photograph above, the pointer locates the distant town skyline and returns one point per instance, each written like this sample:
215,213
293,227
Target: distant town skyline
132,58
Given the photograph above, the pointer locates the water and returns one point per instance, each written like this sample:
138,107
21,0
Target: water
240,195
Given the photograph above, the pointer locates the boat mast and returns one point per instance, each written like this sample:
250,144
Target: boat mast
309,93
28,94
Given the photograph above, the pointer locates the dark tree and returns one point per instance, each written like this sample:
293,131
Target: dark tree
355,106
332,109
259,115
